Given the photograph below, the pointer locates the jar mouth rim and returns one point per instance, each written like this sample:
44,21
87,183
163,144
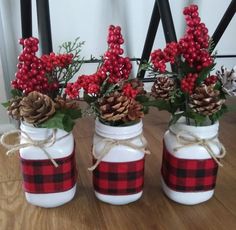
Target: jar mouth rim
119,132
182,122
207,131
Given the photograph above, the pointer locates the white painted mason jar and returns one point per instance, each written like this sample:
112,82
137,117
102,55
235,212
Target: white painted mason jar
121,156
192,155
62,151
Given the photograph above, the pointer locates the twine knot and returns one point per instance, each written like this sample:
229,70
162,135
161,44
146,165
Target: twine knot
109,143
183,139
42,144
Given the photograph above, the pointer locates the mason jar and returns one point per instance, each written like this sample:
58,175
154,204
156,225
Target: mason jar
118,178
45,184
188,169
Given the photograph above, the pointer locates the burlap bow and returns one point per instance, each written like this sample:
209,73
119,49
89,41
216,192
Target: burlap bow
42,144
110,143
183,139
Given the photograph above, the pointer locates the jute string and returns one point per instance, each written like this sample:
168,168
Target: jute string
110,143
42,144
183,139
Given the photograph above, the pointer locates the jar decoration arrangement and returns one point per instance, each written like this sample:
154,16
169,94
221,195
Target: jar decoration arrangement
195,98
46,147
119,146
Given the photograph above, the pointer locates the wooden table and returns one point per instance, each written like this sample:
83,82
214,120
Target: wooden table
153,211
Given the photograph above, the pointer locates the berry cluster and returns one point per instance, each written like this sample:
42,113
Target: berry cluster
90,84
188,82
114,64
192,47
159,58
115,68
34,73
129,91
211,80
194,44
52,61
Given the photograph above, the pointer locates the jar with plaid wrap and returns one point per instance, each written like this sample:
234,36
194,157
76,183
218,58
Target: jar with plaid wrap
189,169
46,184
119,175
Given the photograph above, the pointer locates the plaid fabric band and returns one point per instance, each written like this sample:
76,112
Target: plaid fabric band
119,178
187,175
41,176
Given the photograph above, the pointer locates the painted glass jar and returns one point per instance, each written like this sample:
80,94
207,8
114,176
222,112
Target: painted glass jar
190,162
118,175
48,166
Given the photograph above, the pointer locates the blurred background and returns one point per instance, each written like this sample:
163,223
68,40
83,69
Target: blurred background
90,19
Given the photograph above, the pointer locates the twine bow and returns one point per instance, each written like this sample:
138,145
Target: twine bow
110,143
204,142
42,144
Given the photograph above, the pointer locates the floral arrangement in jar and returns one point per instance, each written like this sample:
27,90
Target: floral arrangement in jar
113,97
38,89
192,90
195,98
47,117
118,144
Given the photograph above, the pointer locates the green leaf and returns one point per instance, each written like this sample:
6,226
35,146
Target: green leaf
73,113
204,73
142,98
6,104
216,116
16,93
175,117
198,118
56,121
68,123
89,99
185,68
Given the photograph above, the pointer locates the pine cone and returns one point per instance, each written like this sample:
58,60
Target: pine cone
63,103
162,88
14,108
114,107
36,108
137,84
205,100
135,111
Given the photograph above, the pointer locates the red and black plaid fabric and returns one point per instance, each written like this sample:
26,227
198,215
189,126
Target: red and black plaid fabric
187,175
41,176
119,178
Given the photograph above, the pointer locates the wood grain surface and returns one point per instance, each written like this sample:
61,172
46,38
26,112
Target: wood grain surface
153,211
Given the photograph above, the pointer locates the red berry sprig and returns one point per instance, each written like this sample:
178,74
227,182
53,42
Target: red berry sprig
117,67
34,73
159,58
195,42
192,47
52,61
30,75
188,82
211,80
129,91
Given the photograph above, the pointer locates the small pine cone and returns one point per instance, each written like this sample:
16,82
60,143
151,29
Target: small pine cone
138,85
162,88
205,100
135,111
14,108
63,103
114,107
36,108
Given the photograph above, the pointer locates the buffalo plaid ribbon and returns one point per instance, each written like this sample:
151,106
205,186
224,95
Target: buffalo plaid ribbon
119,178
188,175
41,176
